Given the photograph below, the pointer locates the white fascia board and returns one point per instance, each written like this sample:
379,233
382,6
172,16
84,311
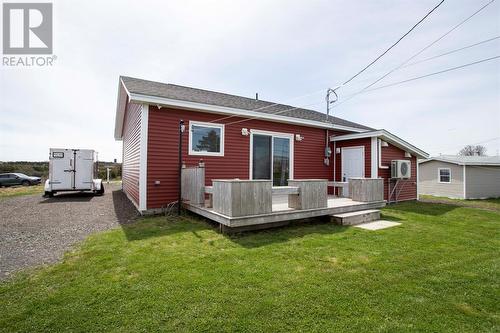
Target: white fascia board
367,134
139,98
386,136
459,163
120,113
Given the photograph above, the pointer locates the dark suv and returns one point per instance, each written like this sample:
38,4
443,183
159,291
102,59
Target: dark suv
11,179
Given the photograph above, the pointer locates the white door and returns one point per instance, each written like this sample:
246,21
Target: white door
353,163
84,165
61,169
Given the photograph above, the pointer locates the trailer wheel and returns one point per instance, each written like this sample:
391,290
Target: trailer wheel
101,190
48,194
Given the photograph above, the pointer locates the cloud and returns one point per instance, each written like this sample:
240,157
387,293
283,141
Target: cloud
281,49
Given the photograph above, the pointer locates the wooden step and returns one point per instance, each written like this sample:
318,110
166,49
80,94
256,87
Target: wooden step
358,217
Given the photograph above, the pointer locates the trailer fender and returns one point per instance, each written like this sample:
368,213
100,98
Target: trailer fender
46,186
98,186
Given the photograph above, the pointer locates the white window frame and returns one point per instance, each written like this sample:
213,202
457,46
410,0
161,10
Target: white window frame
272,135
439,175
204,124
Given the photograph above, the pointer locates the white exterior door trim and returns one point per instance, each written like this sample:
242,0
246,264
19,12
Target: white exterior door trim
362,148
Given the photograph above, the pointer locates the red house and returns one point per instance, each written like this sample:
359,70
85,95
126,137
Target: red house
245,138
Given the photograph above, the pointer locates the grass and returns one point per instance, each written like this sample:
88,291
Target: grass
492,204
7,192
437,272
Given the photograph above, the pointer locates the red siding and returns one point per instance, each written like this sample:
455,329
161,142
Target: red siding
131,151
163,151
366,142
406,189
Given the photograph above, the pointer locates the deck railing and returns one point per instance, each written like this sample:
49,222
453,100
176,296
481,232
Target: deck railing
237,197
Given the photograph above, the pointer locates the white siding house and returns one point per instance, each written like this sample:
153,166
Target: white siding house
460,177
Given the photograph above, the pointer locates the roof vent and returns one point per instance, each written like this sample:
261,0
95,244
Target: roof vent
256,96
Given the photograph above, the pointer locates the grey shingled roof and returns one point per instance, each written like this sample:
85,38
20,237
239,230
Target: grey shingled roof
467,160
183,93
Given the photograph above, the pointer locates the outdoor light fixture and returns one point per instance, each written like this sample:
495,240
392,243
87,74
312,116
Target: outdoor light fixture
298,137
158,106
245,132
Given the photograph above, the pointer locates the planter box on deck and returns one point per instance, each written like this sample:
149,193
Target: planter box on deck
366,189
234,197
313,193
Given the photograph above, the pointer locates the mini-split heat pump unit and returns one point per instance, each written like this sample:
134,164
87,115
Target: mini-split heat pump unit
400,169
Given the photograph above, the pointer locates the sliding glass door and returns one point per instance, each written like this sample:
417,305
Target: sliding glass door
271,158
262,152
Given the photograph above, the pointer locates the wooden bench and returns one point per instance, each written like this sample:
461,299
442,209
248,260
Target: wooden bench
343,187
277,190
210,191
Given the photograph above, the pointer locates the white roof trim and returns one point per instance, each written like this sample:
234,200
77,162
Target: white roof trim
120,113
440,159
384,135
140,99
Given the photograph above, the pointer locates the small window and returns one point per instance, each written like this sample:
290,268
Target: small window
445,175
206,139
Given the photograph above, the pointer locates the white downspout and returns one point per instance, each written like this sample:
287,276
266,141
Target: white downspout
465,181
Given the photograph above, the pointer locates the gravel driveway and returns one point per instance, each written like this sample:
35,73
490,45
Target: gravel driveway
36,230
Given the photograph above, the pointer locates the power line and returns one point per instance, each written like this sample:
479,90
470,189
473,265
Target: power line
452,51
365,68
439,55
393,45
268,106
274,113
435,73
416,54
473,144
463,145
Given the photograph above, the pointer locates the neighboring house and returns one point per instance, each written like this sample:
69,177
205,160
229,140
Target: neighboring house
462,177
239,137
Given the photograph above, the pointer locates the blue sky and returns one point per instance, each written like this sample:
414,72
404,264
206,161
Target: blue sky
281,49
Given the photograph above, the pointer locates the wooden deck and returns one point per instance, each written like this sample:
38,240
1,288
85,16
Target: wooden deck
282,213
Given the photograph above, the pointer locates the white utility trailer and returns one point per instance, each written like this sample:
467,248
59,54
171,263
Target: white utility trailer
73,170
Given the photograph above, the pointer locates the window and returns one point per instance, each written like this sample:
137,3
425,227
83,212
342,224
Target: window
206,139
444,175
271,156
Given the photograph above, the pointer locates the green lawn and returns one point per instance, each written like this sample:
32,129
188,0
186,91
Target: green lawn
437,272
493,203
7,192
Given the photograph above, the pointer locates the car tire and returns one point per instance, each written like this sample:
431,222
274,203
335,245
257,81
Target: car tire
25,183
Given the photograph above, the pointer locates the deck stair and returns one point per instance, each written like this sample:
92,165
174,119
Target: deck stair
353,218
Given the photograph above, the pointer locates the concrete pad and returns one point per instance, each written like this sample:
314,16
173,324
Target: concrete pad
377,225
